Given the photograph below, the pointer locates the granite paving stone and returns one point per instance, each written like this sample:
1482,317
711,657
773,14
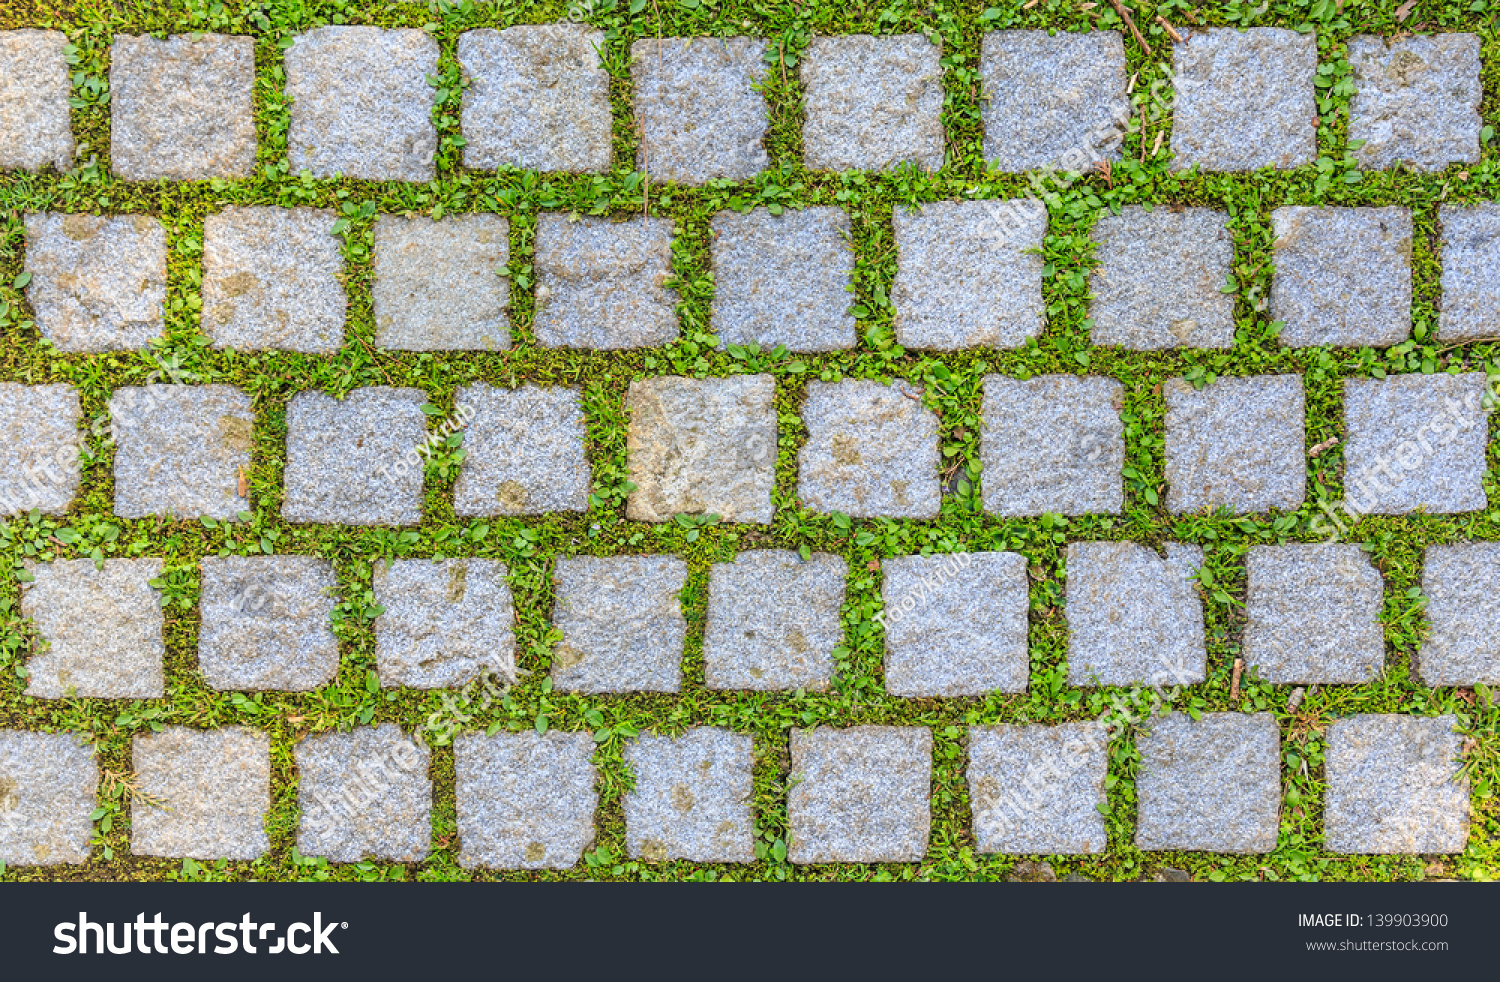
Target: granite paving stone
861,795
698,104
1134,617
621,622
437,283
1415,100
267,623
48,783
872,103
1343,275
97,283
1313,613
524,801
364,794
35,115
201,794
355,460
871,450
181,450
1462,585
1038,789
692,797
1395,786
525,452
445,622
103,629
39,443
601,283
1053,443
773,621
1471,272
1209,785
1237,442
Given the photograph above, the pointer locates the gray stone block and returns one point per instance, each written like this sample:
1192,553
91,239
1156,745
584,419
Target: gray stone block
266,623
201,794
97,284
444,622
354,461
1462,585
363,794
437,286
1209,785
1343,276
1133,617
860,795
1395,786
600,283
692,797
701,113
773,621
1037,789
1471,272
621,623
39,443
181,449
47,787
524,801
1053,443
1416,100
525,452
871,450
872,103
1313,613
35,115
103,629
1239,442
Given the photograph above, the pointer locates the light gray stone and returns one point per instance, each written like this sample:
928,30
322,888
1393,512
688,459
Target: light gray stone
97,283
354,461
1038,789
1133,617
524,801
525,452
773,621
103,629
702,117
702,446
1343,275
1237,442
266,623
1395,786
621,623
871,450
1416,100
1054,443
1209,785
1313,613
202,794
35,116
860,795
692,797
1471,272
364,794
437,286
39,443
601,283
1462,585
872,103
444,622
47,787
181,449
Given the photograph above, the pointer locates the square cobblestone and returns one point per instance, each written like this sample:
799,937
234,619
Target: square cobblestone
206,793
1133,617
872,103
97,284
39,442
444,622
1395,786
48,783
1343,276
525,452
1471,272
702,117
621,622
524,801
601,283
437,286
692,797
35,115
103,629
364,794
267,623
773,621
1416,101
354,460
1238,442
1054,443
1462,585
871,450
860,795
1313,614
181,449
1038,789
1209,785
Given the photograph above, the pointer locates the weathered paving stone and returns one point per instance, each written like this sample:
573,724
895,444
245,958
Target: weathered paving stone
97,284
524,801
363,794
872,103
361,103
1471,272
181,450
182,109
1462,586
600,283
39,443
692,797
955,625
103,629
1394,786
436,283
861,794
351,460
702,446
205,794
272,279
1416,101
444,622
1343,275
1239,442
1313,613
1053,443
35,116
872,449
621,622
47,787
1134,617
701,116
1037,789
538,98
965,280
773,621
1159,282
525,452
1209,785
1244,99
266,623
783,279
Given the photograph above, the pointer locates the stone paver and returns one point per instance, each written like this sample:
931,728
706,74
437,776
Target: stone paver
47,787
444,622
205,794
621,623
601,283
702,446
1037,789
103,629
355,460
437,286
1209,785
525,452
1343,275
701,116
1054,443
1471,272
39,443
361,103
872,103
872,449
35,116
364,794
1133,617
1394,786
773,621
965,278
181,450
182,109
1416,100
861,794
524,801
265,623
97,283
692,797
1239,442
1313,613
783,279
1462,585
538,98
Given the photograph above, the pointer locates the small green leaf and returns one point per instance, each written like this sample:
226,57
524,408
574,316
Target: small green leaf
22,280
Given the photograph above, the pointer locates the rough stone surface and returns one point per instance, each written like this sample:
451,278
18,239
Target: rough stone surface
182,109
272,279
538,98
1160,277
365,793
525,452
39,443
103,629
1244,99
773,621
872,103
861,794
361,103
702,446
206,793
1471,272
35,116
964,277
1313,613
621,622
436,283
1416,101
524,801
955,625
1239,442
181,449
701,117
1343,275
354,460
1394,786
1210,785
47,787
266,623
872,449
1053,443
600,283
444,622
97,284
1133,617
1462,585
692,797
783,279
1036,789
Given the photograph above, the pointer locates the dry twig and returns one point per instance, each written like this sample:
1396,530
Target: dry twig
1120,9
